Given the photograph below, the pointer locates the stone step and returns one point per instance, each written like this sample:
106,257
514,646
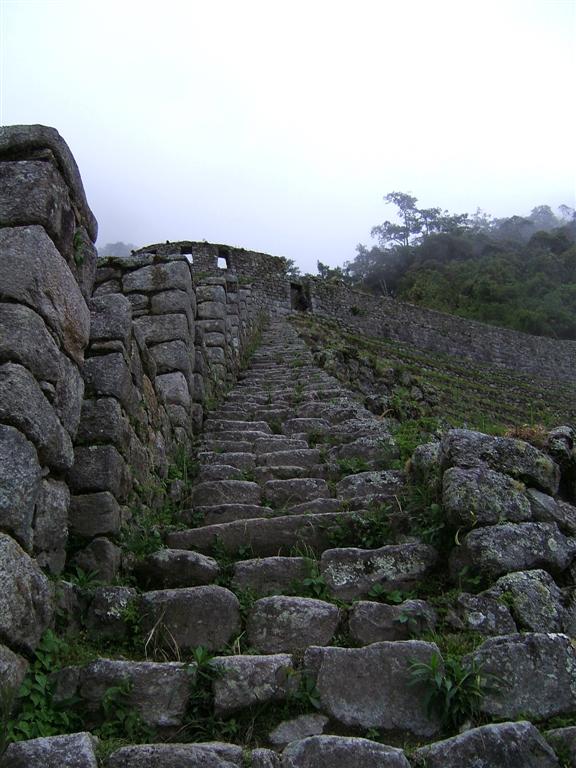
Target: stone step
262,475
226,513
239,459
287,493
226,492
279,443
304,457
214,425
271,575
265,536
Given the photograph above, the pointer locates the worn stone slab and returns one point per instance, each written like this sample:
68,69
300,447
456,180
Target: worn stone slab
26,598
285,624
342,752
172,568
212,755
466,448
266,445
291,492
226,513
270,575
266,537
20,485
538,673
510,745
226,492
499,549
371,622
296,729
294,458
351,572
35,274
77,750
371,687
192,616
159,692
158,277
247,680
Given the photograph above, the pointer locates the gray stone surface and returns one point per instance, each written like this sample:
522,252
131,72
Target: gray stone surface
520,460
291,492
173,389
371,485
99,468
13,669
279,623
18,141
500,549
212,755
101,558
159,692
534,599
94,514
106,614
207,615
173,356
104,422
342,752
371,622
270,575
563,742
110,318
77,750
424,465
296,729
160,328
371,687
247,680
170,568
109,376
26,598
483,614
534,675
226,492
505,745
158,277
24,406
50,525
35,274
20,484
25,339
351,572
480,496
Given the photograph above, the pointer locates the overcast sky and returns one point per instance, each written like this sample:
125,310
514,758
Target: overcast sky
280,125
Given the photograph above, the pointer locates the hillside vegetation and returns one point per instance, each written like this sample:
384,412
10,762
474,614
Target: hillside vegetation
517,272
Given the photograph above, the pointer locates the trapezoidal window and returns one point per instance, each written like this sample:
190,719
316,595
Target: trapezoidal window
223,258
188,251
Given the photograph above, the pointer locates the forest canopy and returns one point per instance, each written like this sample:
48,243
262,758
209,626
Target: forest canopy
518,272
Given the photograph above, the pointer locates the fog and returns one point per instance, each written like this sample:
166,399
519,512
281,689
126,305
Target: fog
279,126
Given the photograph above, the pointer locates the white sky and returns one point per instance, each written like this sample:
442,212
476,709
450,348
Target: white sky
280,125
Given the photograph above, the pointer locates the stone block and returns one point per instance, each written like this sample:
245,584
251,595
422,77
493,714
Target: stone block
20,485
174,356
110,319
26,597
372,687
286,624
103,422
371,622
25,339
109,376
270,575
13,669
172,568
106,614
35,274
51,525
211,755
101,558
247,680
154,278
172,389
100,468
156,329
342,752
77,750
211,293
207,615
211,310
23,405
94,514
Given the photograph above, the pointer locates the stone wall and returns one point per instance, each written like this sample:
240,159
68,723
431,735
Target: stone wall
434,331
47,266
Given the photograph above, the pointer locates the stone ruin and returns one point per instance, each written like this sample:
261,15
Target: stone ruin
265,591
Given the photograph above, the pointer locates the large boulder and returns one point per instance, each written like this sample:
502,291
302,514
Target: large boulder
26,597
465,448
372,687
506,745
531,675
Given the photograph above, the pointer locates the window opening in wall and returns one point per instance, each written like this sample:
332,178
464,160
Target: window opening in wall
299,298
223,256
187,250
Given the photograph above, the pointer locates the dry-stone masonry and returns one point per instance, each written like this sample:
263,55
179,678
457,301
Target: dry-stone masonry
311,599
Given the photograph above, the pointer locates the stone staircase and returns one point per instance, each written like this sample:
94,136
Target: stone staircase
259,607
